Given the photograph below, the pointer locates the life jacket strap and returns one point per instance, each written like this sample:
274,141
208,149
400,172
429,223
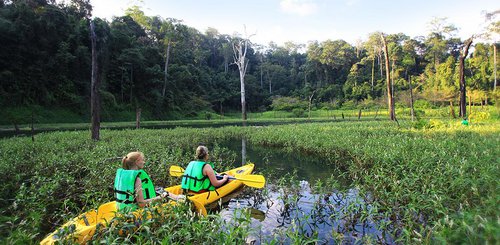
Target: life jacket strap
126,193
193,178
125,201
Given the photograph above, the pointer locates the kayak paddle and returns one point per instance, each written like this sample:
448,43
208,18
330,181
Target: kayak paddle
252,180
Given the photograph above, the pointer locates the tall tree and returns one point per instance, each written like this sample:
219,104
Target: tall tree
240,47
226,53
495,66
374,48
170,31
493,33
390,98
94,92
463,54
437,41
82,7
161,31
480,67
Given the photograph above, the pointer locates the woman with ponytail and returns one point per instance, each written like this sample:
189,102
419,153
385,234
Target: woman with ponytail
200,176
133,187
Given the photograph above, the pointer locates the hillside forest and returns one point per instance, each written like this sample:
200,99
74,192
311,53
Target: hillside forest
173,71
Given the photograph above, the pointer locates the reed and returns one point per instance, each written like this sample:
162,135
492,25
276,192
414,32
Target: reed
426,182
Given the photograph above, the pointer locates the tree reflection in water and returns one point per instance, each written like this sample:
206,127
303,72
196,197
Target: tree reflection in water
305,199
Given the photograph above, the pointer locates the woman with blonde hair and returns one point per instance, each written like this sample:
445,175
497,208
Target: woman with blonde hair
133,187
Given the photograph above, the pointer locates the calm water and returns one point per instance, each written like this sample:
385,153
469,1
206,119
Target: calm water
279,207
277,162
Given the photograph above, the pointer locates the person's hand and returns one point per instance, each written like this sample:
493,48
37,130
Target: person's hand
225,177
164,194
180,198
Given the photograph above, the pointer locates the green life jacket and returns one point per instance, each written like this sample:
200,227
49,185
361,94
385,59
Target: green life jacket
125,187
193,178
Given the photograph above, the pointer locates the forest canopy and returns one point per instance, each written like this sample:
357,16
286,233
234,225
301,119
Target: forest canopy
172,70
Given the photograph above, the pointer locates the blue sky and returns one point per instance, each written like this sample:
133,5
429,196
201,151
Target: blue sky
303,20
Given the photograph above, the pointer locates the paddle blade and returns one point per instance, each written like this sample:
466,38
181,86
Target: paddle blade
252,180
176,171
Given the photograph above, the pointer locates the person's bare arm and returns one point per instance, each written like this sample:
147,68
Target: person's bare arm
209,172
140,197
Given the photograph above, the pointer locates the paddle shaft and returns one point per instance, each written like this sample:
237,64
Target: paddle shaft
219,177
256,181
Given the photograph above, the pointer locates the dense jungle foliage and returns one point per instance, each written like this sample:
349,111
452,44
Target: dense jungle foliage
45,63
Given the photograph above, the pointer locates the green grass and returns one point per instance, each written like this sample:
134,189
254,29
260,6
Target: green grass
480,114
431,180
52,117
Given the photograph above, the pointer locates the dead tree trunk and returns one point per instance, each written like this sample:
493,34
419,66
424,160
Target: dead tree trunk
310,103
392,77
495,65
165,77
270,82
32,126
390,98
261,72
373,68
470,104
463,54
138,118
412,110
131,82
240,52
452,111
95,111
381,67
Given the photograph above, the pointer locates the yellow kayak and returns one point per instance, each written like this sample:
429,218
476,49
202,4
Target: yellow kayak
200,200
83,227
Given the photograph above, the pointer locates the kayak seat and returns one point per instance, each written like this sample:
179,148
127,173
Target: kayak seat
192,193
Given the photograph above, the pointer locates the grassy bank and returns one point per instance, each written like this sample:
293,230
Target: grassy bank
431,181
65,120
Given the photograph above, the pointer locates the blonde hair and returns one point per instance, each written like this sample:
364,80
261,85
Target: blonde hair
129,160
201,152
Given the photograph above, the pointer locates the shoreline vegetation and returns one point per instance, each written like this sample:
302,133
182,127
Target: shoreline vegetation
430,181
210,119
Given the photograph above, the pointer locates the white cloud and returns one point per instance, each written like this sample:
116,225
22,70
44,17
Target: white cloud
300,7
109,8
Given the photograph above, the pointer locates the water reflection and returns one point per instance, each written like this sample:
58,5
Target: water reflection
309,203
328,218
243,150
277,162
